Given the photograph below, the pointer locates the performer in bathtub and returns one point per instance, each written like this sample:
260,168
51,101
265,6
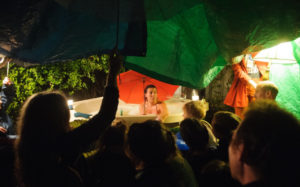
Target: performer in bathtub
152,105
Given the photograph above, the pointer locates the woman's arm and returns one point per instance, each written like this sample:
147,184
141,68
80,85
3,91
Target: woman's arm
80,138
162,111
242,75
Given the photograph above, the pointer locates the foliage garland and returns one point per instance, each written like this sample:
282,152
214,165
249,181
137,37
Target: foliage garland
68,77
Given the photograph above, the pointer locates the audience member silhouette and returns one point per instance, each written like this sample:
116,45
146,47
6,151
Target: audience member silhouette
152,148
197,110
224,123
47,147
194,133
110,166
264,149
7,161
217,174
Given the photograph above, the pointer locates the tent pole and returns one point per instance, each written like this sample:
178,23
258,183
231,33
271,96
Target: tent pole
118,24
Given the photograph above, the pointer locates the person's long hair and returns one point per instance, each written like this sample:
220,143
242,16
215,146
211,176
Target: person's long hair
43,118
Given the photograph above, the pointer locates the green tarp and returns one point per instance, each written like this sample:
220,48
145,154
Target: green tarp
287,77
190,48
180,50
188,41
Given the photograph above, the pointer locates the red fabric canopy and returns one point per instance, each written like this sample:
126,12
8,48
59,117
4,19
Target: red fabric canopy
132,84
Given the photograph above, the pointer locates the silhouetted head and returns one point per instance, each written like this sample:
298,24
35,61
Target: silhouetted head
224,123
113,138
194,133
44,116
151,143
267,140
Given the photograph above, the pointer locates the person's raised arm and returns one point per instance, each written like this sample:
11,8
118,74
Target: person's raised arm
114,69
111,95
80,138
242,75
110,100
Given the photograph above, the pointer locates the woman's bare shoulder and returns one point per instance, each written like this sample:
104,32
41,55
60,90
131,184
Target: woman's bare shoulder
141,105
161,104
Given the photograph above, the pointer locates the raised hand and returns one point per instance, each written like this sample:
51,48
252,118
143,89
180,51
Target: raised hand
6,81
115,65
3,130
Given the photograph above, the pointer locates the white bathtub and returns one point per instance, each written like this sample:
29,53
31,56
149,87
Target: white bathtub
129,112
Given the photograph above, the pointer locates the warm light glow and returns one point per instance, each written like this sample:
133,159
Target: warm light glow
282,53
195,97
70,104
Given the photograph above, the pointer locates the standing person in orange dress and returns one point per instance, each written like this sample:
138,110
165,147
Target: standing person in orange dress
152,105
247,73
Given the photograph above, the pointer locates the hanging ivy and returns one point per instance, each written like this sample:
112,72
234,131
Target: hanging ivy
68,77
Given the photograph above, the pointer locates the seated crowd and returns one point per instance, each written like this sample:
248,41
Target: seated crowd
260,150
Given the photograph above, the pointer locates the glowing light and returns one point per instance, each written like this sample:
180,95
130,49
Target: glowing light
195,97
70,102
282,53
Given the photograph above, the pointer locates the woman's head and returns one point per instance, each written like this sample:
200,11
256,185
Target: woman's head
150,143
195,109
44,116
194,133
150,93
